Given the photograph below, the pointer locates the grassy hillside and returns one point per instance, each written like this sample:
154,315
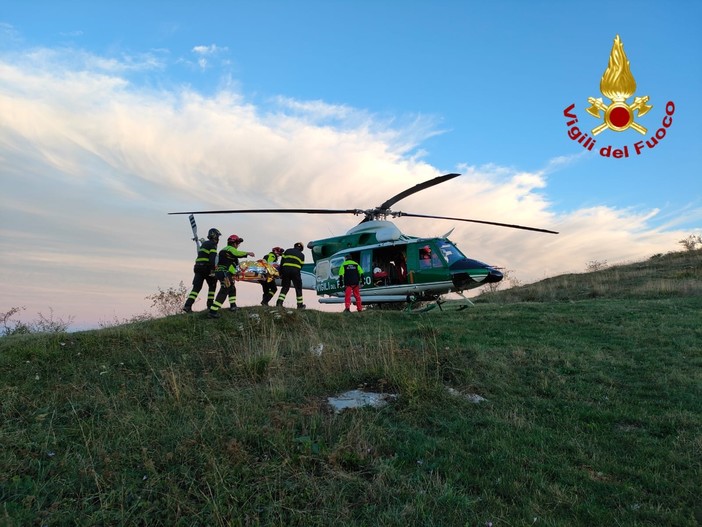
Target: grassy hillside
592,413
669,275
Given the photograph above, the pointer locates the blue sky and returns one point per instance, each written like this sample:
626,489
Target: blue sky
115,113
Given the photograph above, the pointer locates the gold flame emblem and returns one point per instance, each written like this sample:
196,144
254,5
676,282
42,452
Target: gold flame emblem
618,84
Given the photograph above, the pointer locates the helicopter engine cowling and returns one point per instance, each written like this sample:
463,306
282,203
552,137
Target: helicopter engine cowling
467,273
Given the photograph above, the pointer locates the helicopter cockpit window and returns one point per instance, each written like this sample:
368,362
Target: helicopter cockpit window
451,252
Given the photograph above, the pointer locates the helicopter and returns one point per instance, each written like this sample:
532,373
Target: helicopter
398,268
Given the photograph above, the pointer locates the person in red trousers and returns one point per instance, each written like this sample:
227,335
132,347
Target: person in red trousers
351,277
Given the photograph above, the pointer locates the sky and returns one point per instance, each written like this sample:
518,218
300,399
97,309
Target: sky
113,114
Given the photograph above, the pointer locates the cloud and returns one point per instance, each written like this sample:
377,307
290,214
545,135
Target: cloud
75,33
204,52
92,164
8,33
561,162
212,49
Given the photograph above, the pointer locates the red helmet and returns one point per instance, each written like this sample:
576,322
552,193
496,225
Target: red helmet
277,251
234,239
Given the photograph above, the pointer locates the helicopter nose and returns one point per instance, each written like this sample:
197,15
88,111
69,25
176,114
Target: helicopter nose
493,276
468,273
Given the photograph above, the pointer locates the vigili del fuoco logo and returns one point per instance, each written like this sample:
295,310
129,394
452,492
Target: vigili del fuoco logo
618,85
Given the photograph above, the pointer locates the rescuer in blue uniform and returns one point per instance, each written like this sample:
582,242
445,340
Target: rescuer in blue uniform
351,276
291,271
204,270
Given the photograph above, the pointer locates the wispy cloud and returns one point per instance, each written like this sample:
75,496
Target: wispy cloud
212,49
205,53
75,33
8,32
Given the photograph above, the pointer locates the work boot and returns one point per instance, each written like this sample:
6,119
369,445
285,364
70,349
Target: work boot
301,306
233,307
188,307
213,314
264,302
347,310
279,304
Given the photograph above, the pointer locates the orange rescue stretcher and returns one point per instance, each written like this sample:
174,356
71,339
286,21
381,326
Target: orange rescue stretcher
256,271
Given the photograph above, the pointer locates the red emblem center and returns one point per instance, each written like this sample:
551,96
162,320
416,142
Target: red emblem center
620,117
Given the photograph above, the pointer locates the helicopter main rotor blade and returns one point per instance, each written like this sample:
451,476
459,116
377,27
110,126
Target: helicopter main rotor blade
267,211
416,188
510,225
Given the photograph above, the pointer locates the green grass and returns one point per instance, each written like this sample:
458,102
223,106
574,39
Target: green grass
593,414
673,274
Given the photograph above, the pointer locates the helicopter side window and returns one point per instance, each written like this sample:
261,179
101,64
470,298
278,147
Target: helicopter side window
322,270
425,257
336,264
429,258
366,262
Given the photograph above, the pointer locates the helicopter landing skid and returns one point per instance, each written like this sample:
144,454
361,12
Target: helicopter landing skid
424,309
439,302
465,304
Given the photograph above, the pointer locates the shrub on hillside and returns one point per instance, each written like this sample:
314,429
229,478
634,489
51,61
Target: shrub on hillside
170,301
43,324
691,242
